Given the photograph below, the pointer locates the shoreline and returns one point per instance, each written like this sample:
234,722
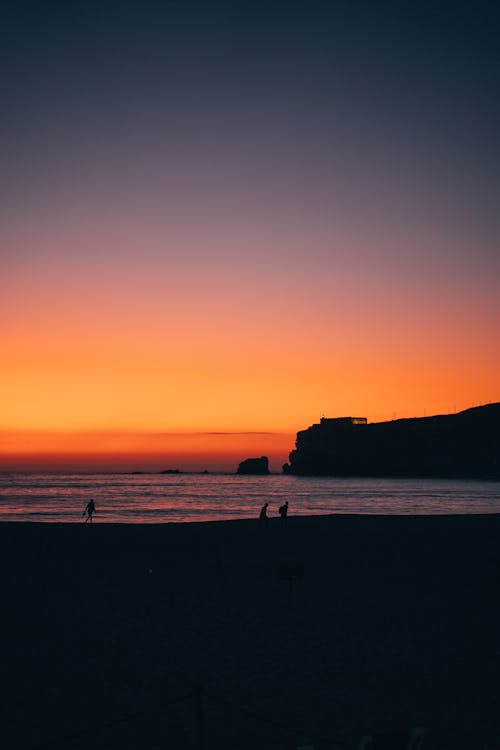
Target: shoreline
273,521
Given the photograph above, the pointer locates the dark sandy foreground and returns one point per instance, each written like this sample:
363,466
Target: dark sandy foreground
395,622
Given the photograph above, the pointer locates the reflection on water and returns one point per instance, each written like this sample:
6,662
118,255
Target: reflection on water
153,498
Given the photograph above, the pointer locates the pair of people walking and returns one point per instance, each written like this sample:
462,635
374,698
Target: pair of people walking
283,511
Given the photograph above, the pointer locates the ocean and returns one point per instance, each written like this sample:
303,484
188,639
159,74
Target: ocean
163,498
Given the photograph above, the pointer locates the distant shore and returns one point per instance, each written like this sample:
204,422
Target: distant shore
317,631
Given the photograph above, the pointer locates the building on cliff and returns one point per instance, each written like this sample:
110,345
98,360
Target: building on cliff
466,444
339,421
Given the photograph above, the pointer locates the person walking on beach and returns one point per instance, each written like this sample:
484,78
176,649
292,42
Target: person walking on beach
89,510
263,514
283,511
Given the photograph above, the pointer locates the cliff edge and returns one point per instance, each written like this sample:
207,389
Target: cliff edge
462,445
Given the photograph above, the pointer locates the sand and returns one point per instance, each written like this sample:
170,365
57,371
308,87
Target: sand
390,622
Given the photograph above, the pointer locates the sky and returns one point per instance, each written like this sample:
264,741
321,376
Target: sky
219,222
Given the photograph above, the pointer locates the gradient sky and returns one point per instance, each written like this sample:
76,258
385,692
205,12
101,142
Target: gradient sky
220,221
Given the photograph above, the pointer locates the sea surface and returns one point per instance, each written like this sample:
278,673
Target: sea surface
157,498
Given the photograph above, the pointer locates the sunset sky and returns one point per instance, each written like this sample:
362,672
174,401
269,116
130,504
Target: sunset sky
219,222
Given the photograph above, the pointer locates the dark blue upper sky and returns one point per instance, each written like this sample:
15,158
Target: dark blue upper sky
398,99
385,69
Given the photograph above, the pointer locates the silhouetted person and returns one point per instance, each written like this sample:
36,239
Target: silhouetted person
89,510
263,514
283,511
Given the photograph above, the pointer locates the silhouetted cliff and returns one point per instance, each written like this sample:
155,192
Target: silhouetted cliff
466,444
254,466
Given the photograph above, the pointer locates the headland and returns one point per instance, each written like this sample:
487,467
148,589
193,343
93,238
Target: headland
462,445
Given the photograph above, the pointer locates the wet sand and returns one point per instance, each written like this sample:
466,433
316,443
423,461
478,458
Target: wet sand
389,621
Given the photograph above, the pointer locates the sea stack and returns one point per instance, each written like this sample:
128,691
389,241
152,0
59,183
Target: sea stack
254,466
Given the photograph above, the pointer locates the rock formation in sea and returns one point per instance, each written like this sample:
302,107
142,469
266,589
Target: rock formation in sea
466,445
254,466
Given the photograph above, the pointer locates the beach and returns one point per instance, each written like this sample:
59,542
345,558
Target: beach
237,635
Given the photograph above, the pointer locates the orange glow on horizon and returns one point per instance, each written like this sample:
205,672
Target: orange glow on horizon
223,341
38,451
